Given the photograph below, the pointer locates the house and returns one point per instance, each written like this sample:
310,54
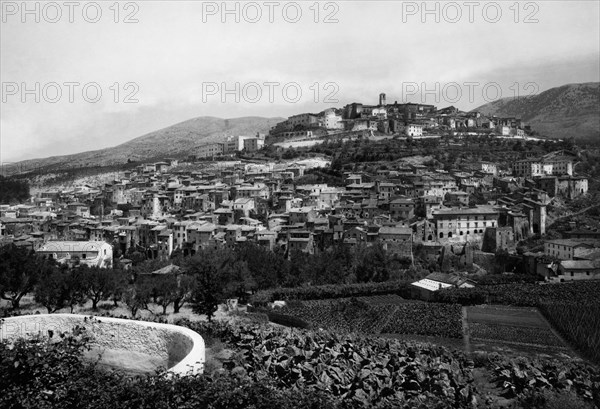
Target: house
458,197
266,238
464,223
427,287
402,208
396,240
570,270
355,236
302,215
90,253
564,249
550,164
210,150
413,130
300,240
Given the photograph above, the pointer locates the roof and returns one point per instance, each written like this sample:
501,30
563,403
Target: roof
78,246
466,210
430,285
395,230
170,269
571,242
577,265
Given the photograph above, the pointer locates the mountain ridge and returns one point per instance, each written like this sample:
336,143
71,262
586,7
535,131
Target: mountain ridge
177,140
571,110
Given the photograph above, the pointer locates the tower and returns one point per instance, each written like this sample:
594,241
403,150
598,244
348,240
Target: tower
382,99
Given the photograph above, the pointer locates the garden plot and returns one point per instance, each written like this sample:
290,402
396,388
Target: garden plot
518,329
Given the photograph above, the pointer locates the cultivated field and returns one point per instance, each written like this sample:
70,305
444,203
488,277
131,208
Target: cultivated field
514,331
511,331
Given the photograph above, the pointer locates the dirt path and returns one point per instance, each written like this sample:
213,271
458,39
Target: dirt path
465,329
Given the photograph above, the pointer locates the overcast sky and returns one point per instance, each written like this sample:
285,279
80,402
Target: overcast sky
180,58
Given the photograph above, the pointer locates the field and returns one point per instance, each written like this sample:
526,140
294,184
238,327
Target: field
513,331
384,314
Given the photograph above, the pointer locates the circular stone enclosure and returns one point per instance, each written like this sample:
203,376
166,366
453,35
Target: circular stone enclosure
133,346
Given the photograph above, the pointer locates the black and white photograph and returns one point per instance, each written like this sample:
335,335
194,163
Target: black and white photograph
304,204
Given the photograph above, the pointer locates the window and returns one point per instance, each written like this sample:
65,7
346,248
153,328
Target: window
449,234
441,235
461,233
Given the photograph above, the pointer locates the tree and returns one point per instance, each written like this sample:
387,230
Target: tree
136,297
99,284
165,287
51,290
20,270
372,264
207,268
13,190
75,291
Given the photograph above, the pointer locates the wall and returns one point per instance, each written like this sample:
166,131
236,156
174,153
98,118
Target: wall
135,346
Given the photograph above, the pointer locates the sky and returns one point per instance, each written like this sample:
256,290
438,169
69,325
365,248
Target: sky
88,75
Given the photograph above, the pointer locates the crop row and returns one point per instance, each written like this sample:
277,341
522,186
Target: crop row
524,294
513,333
354,315
578,323
323,292
372,371
426,319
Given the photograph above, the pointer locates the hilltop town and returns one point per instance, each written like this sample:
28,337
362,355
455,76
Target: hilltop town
449,219
391,224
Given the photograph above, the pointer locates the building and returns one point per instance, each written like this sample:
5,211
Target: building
90,253
570,270
402,208
427,287
210,150
464,224
413,130
253,144
550,164
396,240
563,249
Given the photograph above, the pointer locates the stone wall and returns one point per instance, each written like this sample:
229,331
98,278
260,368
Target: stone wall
135,346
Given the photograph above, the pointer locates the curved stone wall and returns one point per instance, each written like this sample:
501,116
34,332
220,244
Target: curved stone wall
136,346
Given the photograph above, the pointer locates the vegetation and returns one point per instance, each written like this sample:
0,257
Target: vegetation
284,368
323,292
573,308
20,271
13,190
578,323
352,315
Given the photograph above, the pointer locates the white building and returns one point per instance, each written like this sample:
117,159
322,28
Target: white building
90,253
413,130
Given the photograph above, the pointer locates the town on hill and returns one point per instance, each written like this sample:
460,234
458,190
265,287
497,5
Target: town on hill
389,220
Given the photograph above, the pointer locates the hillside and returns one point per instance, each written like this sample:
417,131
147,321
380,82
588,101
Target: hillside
566,111
179,140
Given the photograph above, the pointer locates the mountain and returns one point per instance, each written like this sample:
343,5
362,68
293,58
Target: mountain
177,141
561,112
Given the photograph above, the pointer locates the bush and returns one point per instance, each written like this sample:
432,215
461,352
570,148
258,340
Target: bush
287,320
323,292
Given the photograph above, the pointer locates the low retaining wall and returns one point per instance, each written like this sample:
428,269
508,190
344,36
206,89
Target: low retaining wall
136,346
